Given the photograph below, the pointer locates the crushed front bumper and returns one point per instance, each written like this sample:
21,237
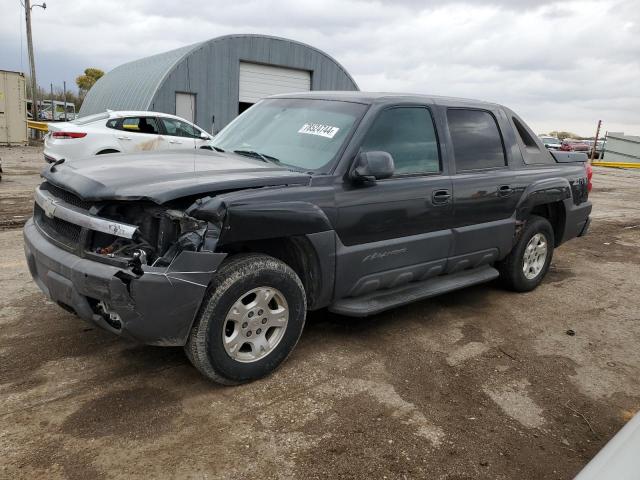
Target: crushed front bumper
155,308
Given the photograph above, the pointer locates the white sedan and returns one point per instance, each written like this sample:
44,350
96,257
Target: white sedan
121,132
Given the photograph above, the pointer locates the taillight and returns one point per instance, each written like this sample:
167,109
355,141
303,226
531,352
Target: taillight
68,135
589,169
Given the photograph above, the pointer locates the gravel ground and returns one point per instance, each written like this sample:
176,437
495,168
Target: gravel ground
21,166
481,383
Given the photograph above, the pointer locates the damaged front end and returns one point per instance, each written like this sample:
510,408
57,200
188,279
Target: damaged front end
161,234
136,268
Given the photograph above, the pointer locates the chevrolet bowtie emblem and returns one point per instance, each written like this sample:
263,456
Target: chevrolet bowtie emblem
48,207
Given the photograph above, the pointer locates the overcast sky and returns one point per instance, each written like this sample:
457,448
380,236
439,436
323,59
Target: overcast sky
561,65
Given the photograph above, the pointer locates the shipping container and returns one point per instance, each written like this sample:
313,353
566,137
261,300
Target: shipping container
13,108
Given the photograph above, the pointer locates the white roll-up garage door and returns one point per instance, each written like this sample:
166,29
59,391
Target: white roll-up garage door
259,81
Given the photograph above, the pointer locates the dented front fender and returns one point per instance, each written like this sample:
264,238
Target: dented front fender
259,220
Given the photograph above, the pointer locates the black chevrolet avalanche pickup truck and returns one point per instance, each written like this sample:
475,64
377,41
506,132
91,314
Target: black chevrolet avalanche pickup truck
355,202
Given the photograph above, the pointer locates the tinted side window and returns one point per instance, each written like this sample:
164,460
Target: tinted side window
140,125
476,139
408,134
178,128
113,123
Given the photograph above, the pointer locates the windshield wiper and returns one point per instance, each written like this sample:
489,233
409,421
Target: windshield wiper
262,156
218,149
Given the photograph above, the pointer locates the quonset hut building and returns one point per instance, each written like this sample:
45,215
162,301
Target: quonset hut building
211,82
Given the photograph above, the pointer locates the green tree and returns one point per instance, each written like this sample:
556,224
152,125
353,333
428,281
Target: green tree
86,81
562,135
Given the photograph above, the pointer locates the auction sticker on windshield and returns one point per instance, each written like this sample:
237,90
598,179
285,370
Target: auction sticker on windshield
319,129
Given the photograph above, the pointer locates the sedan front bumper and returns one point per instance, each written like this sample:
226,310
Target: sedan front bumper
157,307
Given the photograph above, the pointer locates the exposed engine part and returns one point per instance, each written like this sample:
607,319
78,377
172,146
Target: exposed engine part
163,233
140,255
139,259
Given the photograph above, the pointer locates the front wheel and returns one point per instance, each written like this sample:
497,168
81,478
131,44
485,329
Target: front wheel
251,321
527,264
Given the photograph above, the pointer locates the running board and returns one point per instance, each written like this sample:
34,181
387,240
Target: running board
382,300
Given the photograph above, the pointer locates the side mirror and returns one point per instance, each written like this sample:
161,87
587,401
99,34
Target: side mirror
205,136
372,166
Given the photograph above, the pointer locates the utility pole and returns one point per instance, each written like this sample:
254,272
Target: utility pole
32,62
595,142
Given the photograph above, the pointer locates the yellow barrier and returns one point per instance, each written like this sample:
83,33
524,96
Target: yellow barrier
42,126
616,164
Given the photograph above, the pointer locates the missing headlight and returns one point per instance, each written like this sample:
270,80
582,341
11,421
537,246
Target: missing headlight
162,234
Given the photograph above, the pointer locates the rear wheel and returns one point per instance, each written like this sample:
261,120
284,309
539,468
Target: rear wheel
527,264
251,321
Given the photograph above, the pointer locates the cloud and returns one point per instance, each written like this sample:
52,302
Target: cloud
560,64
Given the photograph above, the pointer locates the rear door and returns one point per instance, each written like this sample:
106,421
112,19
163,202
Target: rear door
138,133
396,230
179,134
484,188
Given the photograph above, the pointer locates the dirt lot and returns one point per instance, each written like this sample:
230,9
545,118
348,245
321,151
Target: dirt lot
477,384
21,176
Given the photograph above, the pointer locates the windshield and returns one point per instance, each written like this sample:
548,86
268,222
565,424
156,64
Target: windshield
301,133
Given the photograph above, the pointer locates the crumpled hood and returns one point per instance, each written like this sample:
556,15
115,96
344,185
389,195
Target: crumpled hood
164,176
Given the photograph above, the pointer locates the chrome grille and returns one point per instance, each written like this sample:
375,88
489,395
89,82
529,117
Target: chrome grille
66,196
61,231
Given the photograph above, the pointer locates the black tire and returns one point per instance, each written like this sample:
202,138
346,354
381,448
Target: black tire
108,150
237,276
511,268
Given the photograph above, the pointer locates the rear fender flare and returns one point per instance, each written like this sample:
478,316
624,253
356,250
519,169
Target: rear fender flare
543,192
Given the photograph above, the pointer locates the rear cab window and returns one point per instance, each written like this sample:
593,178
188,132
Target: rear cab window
476,140
408,134
532,154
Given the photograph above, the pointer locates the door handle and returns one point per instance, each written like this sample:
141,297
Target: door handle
174,141
505,190
440,197
124,138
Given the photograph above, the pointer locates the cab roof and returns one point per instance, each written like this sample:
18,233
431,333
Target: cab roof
385,97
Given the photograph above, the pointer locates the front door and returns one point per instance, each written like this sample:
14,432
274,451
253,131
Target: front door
396,230
181,135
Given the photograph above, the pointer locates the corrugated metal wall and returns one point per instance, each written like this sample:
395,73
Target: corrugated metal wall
133,85
210,70
622,148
